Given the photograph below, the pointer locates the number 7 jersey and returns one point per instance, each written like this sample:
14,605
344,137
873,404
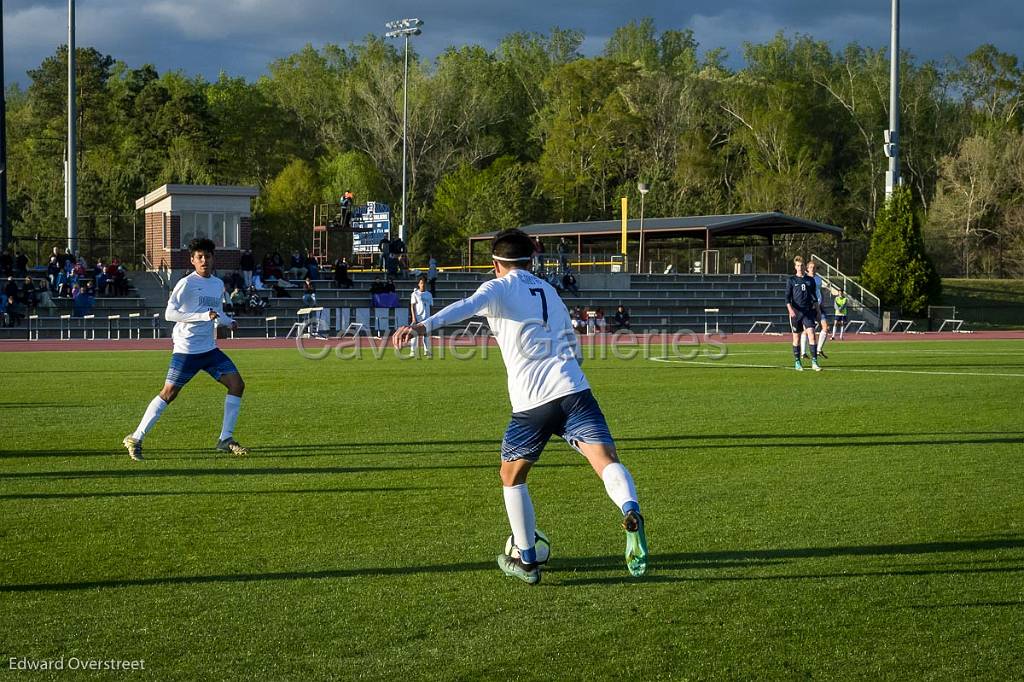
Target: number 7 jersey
533,329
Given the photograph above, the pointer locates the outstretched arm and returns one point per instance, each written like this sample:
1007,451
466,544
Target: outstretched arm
476,304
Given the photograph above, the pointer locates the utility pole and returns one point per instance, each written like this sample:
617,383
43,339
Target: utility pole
892,135
403,28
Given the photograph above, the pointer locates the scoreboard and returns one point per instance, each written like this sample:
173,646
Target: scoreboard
370,223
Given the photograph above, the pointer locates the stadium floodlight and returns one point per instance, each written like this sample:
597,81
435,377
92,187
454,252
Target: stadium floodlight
403,28
643,188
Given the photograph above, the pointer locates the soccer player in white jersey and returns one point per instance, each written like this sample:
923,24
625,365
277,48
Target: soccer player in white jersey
549,395
420,303
196,308
823,310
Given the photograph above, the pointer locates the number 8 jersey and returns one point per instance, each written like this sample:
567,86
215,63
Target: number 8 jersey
533,329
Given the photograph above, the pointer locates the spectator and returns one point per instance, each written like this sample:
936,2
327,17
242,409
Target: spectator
67,260
100,274
600,322
620,319
254,302
432,275
569,283
341,278
390,286
237,300
29,294
298,267
309,292
63,285
15,311
538,256
84,299
347,201
120,279
21,264
52,268
563,254
576,318
385,253
378,286
312,266
11,288
247,264
279,290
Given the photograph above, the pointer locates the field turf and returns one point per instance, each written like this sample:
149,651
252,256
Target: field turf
864,522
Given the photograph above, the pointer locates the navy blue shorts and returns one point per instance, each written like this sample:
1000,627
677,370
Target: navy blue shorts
184,366
577,418
803,321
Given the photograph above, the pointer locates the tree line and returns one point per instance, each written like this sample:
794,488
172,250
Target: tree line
533,131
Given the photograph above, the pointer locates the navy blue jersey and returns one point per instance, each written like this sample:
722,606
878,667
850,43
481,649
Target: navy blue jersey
801,293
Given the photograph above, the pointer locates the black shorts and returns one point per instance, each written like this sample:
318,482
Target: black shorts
802,321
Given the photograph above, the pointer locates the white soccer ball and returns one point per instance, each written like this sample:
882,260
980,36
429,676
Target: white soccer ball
541,544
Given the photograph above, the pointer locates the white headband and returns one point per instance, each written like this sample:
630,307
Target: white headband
510,260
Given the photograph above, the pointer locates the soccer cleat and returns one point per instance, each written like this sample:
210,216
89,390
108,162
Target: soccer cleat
515,568
797,366
821,354
231,445
134,448
636,543
815,366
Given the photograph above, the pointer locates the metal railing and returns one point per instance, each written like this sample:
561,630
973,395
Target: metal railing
862,301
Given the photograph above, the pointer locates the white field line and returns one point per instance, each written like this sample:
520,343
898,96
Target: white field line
710,363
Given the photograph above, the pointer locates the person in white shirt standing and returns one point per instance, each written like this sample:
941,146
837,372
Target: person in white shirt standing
196,308
420,303
549,395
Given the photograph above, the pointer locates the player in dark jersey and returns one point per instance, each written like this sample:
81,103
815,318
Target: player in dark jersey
802,304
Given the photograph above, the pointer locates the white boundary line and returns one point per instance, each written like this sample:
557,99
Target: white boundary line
897,351
835,369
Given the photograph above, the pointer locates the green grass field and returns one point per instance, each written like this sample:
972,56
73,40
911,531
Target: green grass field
864,522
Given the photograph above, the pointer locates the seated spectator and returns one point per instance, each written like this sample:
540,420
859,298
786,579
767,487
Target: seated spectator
84,300
600,322
254,303
309,292
390,286
298,266
237,300
52,268
279,290
378,286
576,317
63,285
15,311
620,319
569,284
120,279
341,278
100,274
29,294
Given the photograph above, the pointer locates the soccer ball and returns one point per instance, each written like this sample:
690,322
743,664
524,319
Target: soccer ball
541,544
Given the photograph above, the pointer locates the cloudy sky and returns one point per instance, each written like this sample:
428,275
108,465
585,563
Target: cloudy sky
242,36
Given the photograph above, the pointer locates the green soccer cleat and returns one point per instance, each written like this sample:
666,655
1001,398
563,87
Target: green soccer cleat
134,448
636,543
797,366
231,445
515,568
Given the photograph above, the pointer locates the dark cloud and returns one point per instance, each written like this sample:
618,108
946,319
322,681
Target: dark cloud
242,36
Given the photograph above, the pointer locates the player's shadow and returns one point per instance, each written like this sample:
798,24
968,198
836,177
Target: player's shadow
565,569
660,563
209,493
144,472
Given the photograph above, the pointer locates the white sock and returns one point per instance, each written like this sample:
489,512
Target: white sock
619,485
156,407
426,344
821,339
803,344
232,404
519,508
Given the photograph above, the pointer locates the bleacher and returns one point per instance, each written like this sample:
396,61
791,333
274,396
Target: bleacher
656,303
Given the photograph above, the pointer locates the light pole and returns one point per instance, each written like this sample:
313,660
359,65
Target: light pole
644,188
71,177
403,28
892,135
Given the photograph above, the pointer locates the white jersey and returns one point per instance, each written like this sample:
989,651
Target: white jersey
532,326
421,301
189,308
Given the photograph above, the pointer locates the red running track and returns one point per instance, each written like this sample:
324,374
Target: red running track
259,343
